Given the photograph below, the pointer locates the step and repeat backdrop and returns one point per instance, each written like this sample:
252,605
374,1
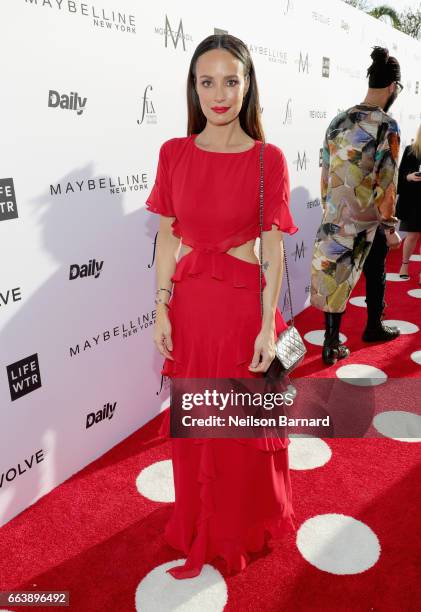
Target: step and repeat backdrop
90,92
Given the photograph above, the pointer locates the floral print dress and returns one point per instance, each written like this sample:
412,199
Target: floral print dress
358,189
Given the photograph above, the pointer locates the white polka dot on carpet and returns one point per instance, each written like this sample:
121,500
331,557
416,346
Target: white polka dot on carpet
158,591
307,453
361,374
359,300
415,293
399,425
416,356
156,481
395,278
405,326
317,336
338,544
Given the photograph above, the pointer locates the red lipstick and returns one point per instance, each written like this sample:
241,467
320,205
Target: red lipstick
220,109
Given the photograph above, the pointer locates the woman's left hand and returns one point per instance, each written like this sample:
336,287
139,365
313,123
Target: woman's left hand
264,349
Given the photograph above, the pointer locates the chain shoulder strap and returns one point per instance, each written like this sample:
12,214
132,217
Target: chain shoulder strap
261,190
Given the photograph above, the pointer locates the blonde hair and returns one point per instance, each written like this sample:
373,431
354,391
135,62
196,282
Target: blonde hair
416,145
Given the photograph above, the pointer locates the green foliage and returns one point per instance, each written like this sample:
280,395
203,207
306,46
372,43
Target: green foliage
408,22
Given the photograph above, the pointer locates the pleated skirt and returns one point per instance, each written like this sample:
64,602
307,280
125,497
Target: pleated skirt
231,494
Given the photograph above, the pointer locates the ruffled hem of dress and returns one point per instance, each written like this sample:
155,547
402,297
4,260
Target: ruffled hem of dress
235,553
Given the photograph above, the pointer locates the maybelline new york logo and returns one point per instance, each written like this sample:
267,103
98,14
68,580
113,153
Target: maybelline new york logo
108,19
278,56
122,184
148,109
8,206
122,330
71,101
24,376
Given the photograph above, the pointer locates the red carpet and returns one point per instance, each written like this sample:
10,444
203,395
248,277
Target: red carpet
359,548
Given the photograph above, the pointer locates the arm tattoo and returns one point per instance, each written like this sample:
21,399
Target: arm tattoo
265,265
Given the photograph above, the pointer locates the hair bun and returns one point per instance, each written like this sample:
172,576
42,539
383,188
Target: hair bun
380,54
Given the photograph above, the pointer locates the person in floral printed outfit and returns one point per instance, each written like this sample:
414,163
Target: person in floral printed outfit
358,189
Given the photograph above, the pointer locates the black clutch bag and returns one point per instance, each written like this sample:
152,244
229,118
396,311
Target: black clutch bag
289,346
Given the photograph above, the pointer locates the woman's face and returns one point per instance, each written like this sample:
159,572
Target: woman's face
220,85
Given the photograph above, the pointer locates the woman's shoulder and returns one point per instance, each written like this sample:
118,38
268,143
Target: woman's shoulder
274,153
174,143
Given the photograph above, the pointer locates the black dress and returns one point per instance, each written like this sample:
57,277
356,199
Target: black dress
408,208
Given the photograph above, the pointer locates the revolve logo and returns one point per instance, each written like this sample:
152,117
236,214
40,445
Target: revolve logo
22,467
10,295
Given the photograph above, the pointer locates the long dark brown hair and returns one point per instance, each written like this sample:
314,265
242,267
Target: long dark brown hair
249,115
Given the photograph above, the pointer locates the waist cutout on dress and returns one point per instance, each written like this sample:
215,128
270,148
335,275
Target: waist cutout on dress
206,262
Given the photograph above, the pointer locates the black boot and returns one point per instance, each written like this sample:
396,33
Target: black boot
380,333
333,350
376,330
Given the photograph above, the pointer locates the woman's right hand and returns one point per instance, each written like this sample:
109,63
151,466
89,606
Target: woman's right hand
413,177
162,332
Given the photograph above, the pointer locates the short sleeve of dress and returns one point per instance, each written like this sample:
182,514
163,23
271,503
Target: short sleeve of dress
160,200
276,209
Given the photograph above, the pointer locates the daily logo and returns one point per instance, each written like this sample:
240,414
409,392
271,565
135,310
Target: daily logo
24,376
8,207
105,413
93,268
71,101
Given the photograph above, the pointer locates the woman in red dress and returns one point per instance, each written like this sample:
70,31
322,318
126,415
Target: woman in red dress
230,494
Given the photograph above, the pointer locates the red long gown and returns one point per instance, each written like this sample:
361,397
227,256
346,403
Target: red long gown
230,494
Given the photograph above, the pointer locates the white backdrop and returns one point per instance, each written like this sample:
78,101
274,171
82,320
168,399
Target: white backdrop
78,369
